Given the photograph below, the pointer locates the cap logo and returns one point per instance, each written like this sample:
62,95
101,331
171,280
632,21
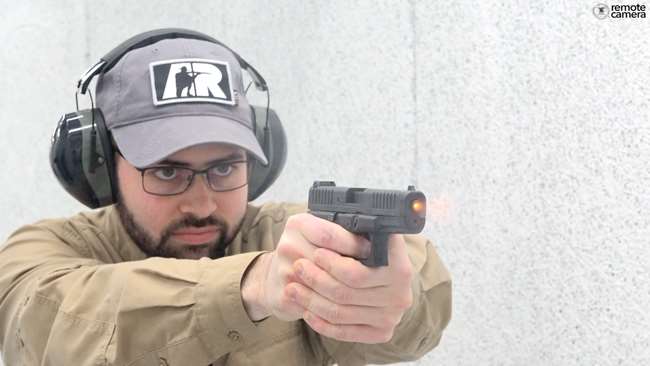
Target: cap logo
191,81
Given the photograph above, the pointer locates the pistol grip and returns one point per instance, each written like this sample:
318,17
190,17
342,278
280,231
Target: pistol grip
379,250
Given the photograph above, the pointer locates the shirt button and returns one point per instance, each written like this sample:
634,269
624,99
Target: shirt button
234,336
278,215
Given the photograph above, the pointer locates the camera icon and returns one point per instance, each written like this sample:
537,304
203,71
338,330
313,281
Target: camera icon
601,11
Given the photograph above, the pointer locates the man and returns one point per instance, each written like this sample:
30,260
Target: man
182,271
184,79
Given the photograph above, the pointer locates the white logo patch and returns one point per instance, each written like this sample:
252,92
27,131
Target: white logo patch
190,81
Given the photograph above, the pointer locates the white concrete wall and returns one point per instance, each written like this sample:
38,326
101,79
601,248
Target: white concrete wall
527,124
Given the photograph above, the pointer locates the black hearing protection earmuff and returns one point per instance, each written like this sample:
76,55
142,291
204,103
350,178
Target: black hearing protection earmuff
82,152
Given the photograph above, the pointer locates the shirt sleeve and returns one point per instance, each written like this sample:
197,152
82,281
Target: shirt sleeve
59,307
421,327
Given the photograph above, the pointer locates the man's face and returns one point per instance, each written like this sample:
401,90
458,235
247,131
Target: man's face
193,224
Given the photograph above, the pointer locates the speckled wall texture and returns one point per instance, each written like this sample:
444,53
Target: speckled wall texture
526,123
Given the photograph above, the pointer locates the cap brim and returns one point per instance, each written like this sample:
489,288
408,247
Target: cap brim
146,143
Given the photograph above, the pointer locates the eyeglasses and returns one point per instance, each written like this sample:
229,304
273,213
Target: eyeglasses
169,180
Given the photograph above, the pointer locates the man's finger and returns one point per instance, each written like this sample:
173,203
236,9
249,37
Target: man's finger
342,314
347,333
325,234
327,286
350,271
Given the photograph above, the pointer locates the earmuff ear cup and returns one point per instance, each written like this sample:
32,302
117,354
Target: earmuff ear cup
65,159
81,157
274,144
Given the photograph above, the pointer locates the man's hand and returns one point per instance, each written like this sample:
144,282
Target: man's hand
311,275
345,300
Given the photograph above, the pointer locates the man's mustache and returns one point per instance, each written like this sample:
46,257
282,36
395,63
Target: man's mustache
193,221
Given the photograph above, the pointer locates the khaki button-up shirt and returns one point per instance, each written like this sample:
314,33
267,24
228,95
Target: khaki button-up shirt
78,291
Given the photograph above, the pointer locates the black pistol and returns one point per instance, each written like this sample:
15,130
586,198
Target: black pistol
374,213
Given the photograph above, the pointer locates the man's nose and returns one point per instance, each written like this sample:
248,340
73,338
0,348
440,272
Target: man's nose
199,199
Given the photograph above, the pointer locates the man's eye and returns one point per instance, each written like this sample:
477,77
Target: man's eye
222,170
167,173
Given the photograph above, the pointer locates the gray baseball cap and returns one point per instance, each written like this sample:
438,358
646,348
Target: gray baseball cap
174,94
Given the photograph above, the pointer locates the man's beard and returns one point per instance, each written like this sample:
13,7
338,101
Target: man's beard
161,248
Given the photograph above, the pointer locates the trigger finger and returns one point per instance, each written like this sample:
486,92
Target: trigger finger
325,234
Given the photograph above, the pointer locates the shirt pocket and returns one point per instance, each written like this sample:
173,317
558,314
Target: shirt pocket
283,343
